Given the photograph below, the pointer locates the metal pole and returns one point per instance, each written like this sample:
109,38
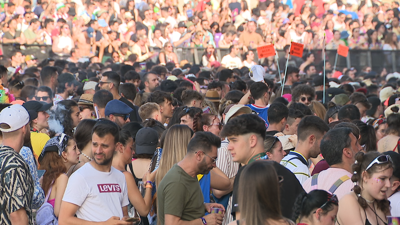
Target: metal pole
334,67
287,62
324,55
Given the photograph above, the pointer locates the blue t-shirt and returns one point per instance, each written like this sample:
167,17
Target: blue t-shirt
262,112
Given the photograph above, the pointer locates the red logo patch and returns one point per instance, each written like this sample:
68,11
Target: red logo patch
105,188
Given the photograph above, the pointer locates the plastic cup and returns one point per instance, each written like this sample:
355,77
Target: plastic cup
393,220
217,210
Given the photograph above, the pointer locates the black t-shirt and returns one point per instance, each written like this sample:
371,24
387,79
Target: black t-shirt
289,190
134,115
271,132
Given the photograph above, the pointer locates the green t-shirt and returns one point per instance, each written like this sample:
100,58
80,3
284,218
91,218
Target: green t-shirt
180,195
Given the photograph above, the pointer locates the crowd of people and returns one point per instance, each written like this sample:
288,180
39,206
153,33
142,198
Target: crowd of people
106,130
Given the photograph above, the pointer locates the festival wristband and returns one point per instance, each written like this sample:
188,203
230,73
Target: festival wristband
203,220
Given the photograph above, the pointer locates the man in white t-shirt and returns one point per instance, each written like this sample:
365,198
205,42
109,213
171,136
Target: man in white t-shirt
97,192
310,131
232,61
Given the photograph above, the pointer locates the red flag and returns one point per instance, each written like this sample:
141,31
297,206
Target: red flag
266,51
343,50
296,49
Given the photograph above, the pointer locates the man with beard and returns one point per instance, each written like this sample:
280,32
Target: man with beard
16,181
150,81
97,192
179,196
118,112
65,88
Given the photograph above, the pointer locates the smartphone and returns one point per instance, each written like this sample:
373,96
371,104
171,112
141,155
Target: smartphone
132,219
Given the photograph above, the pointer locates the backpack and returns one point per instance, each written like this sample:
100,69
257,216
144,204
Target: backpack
45,214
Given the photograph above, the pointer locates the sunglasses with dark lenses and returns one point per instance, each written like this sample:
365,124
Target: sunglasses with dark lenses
382,159
331,198
125,116
43,98
303,99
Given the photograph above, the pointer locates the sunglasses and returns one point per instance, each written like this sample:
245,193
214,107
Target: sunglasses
213,159
125,116
382,159
44,98
273,143
331,198
303,99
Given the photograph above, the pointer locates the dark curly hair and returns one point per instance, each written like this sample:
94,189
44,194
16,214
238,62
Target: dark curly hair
362,162
302,89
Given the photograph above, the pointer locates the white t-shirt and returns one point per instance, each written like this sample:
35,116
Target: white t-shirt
395,204
99,195
231,63
293,163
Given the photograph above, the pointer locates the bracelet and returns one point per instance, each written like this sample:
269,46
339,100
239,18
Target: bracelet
149,182
203,220
149,186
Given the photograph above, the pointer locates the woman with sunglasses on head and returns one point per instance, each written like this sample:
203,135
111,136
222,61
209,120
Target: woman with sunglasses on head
211,123
315,208
167,55
259,195
273,148
367,203
58,156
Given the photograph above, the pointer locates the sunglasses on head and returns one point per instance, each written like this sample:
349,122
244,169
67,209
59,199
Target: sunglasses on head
273,143
43,98
303,99
382,159
125,116
331,198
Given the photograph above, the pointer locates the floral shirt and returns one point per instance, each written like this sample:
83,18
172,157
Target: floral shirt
16,185
38,194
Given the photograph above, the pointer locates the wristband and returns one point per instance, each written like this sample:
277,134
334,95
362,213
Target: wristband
203,220
149,186
149,182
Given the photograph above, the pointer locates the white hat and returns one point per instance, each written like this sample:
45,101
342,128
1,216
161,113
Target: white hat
393,109
257,73
286,144
385,93
89,85
234,109
13,118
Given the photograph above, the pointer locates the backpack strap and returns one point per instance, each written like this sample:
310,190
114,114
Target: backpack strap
397,146
297,156
339,182
314,182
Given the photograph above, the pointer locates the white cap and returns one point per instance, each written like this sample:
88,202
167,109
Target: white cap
13,118
234,109
286,144
89,85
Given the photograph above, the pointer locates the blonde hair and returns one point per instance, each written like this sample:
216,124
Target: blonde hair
175,147
318,109
147,110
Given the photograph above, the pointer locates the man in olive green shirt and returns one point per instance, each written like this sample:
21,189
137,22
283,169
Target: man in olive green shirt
179,196
31,35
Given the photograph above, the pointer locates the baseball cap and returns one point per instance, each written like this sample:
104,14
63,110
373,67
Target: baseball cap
146,141
13,118
385,93
393,109
117,107
90,85
233,109
189,24
286,144
181,24
341,99
55,144
30,57
34,107
86,99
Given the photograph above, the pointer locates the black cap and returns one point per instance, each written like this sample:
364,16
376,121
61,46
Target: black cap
146,141
319,81
181,24
33,107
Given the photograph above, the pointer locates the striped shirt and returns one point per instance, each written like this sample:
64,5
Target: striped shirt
297,163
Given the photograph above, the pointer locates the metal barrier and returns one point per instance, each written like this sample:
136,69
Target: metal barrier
376,59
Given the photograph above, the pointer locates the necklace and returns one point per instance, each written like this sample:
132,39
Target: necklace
376,214
90,159
368,201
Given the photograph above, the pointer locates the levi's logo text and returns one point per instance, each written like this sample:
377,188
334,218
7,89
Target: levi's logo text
106,188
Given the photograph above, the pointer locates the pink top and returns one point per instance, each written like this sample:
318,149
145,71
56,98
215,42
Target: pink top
327,178
52,201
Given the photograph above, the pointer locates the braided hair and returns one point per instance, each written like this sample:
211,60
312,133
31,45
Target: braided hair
360,165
